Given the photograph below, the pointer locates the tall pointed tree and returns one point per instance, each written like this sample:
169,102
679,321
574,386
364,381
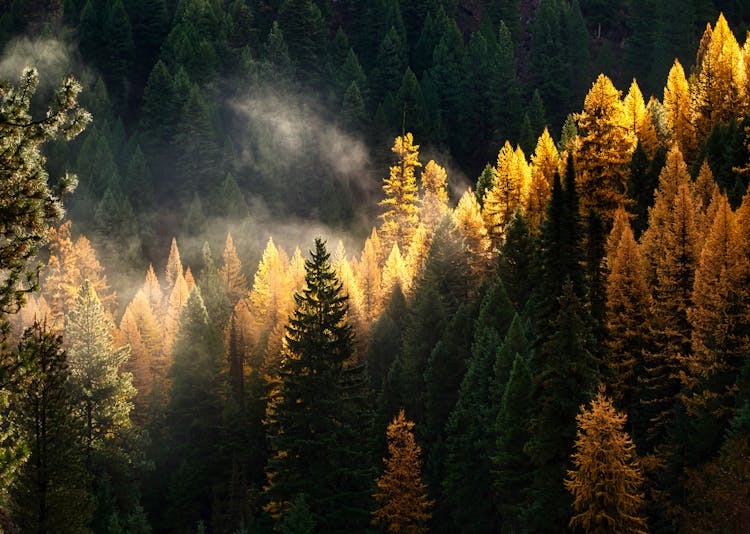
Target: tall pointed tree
400,217
317,419
402,496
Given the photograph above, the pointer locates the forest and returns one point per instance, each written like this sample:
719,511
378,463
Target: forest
309,266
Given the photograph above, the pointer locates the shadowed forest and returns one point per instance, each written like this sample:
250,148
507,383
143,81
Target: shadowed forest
374,266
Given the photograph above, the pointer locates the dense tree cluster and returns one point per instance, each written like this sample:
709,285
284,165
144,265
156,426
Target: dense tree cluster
563,347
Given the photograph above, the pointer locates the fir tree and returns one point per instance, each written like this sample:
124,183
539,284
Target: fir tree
317,418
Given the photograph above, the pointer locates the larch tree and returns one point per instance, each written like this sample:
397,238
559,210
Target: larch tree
716,95
603,150
401,208
416,256
720,325
177,298
467,217
605,479
395,272
232,278
544,163
638,120
434,203
317,418
677,110
173,268
404,505
368,277
152,289
505,194
628,319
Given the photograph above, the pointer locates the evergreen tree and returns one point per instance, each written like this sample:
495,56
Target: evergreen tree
194,417
50,492
317,419
303,27
402,496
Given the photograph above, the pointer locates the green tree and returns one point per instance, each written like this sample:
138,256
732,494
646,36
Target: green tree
303,27
317,419
194,426
31,203
50,492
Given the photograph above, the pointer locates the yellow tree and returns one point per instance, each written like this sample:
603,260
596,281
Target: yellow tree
177,299
189,279
174,267
350,287
505,193
677,110
467,217
606,478
400,217
719,83
296,272
394,272
638,120
435,195
544,163
604,150
368,277
621,221
719,319
628,310
139,363
152,289
705,189
232,278
403,503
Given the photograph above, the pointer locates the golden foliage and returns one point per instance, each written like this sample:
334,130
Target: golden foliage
232,278
509,187
402,496
467,217
400,217
435,195
677,110
606,478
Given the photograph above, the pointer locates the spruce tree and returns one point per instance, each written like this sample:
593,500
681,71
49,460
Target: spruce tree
318,418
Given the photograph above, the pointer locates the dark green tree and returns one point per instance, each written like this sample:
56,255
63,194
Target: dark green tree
318,419
50,492
303,27
194,417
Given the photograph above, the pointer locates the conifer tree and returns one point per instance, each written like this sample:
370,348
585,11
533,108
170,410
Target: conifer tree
603,150
638,120
508,190
400,217
544,164
434,203
194,416
319,407
50,492
402,496
677,110
369,276
232,278
32,204
467,217
605,479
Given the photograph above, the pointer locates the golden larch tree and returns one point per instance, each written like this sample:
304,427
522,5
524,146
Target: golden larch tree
467,217
677,110
606,478
403,503
368,277
628,316
638,120
177,299
401,208
603,150
544,162
705,189
296,272
416,256
434,202
395,272
152,289
189,278
349,287
232,278
505,194
173,268
718,317
719,83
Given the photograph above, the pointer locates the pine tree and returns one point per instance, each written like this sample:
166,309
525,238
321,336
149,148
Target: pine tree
317,419
605,479
50,491
402,496
32,204
400,217
194,416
